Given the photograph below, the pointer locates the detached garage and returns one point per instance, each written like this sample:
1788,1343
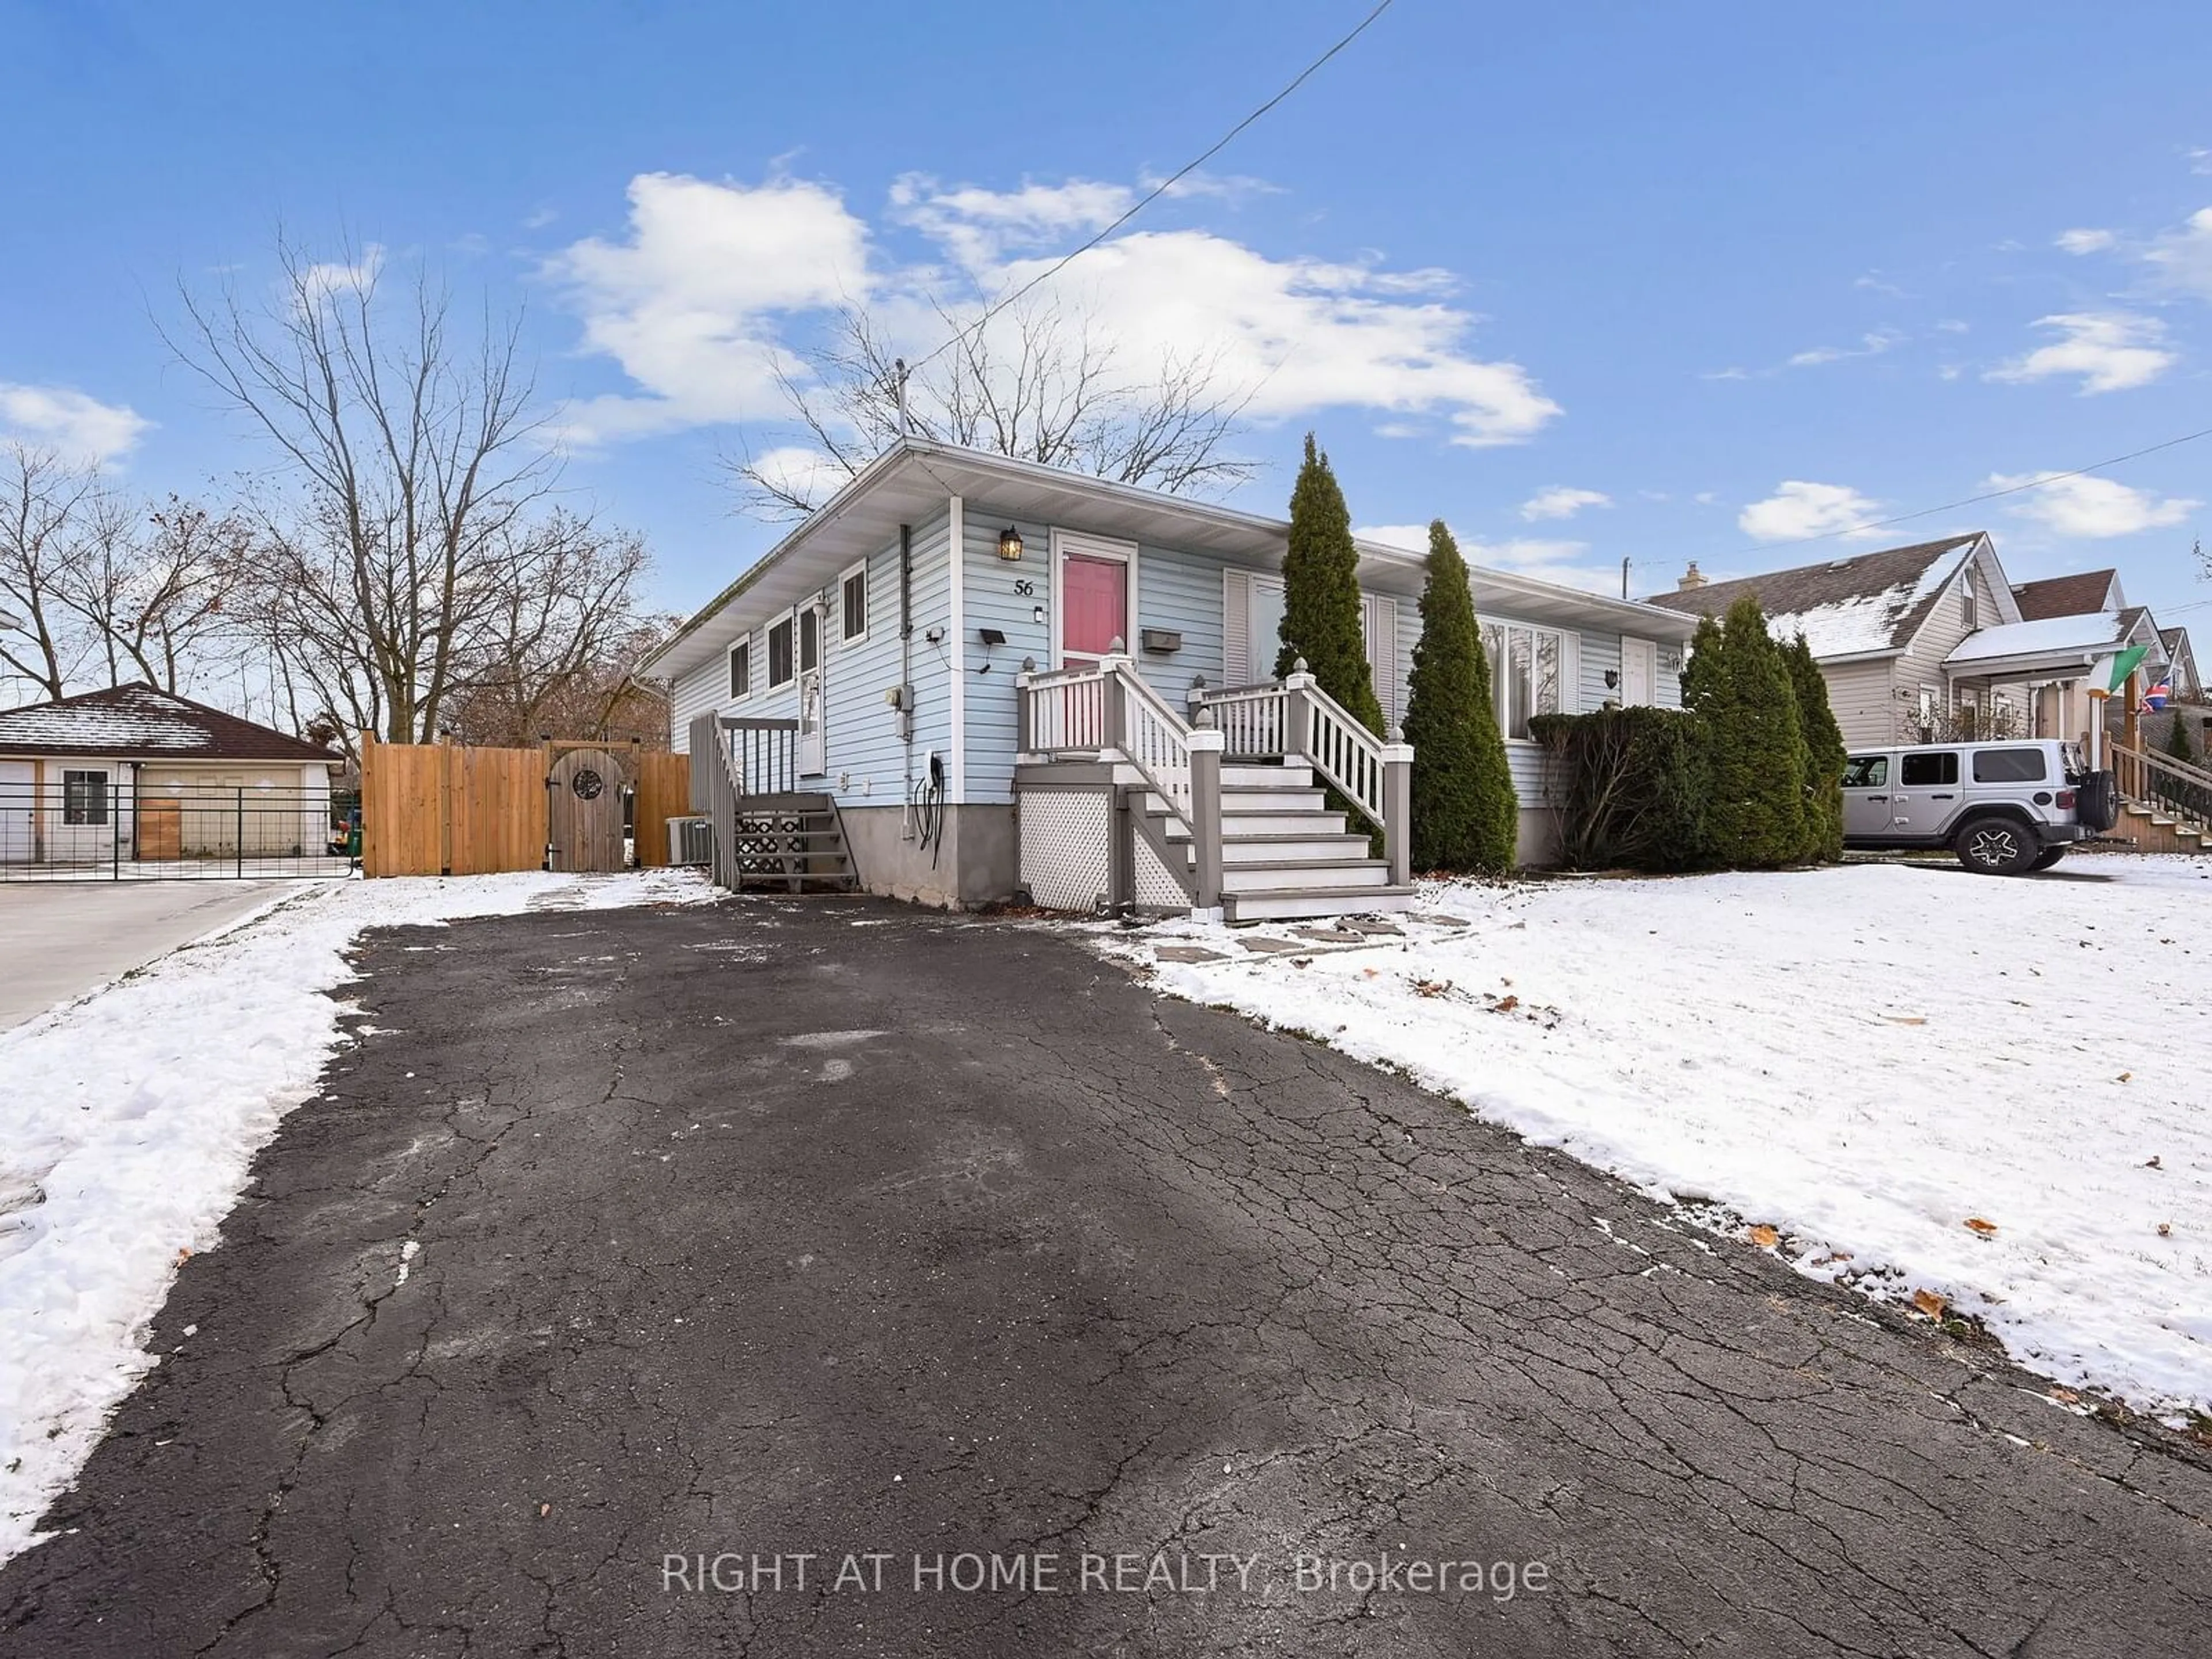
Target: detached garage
137,775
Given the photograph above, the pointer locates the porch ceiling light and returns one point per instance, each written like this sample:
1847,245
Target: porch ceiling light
1010,543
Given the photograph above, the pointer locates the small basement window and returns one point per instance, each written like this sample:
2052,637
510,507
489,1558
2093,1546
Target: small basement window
779,653
84,798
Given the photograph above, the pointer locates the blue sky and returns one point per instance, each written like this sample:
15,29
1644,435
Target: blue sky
1748,274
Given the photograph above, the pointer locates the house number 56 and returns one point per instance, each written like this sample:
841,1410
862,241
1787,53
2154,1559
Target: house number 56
1025,586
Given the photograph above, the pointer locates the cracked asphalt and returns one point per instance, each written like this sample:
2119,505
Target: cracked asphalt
779,1228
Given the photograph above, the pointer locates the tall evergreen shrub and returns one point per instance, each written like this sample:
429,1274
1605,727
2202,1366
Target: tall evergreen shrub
1464,810
1825,754
1320,593
1740,685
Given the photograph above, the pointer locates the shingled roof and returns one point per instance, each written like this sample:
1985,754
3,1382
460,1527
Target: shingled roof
1875,602
2064,595
138,722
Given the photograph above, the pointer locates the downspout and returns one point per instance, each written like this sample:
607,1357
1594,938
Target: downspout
906,679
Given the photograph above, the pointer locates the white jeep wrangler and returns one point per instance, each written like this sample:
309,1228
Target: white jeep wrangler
2003,807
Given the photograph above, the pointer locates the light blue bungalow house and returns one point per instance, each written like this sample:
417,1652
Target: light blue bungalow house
967,677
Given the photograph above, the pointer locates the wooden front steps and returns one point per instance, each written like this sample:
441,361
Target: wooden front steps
2157,831
791,843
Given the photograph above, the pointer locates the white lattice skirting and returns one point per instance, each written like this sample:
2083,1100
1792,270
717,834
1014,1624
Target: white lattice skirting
1064,851
1155,884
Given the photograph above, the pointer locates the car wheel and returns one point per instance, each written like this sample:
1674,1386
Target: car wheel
1996,847
2049,856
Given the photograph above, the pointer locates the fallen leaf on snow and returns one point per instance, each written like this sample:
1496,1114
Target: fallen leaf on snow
1906,1019
1505,1005
1986,1228
2166,1230
1929,1304
1765,1236
1369,973
2124,1077
2153,1164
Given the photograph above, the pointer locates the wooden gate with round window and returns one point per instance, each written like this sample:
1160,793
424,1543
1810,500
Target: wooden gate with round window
584,794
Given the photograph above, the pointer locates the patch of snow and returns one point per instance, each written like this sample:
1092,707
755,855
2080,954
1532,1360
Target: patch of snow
1867,622
1868,1059
133,1117
2092,631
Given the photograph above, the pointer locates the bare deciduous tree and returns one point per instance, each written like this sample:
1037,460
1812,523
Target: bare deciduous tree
1037,383
43,507
552,649
155,586
412,459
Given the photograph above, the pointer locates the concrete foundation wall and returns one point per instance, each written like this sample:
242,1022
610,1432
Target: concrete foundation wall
1536,838
972,864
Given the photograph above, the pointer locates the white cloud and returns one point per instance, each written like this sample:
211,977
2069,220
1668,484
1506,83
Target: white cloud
2084,241
1406,538
1870,345
539,218
689,302
1562,561
1953,325
2097,508
2200,160
702,300
2110,350
1561,502
1798,509
800,472
317,282
2181,260
74,425
1874,283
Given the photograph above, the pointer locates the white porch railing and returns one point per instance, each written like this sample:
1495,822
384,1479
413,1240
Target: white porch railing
1253,720
1297,719
1109,713
1153,738
1063,712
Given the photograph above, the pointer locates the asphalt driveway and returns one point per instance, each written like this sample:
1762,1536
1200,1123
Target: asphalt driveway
61,939
630,1257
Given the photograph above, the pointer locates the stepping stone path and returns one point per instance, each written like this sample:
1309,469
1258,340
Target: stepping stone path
1359,925
1331,935
1186,953
1268,946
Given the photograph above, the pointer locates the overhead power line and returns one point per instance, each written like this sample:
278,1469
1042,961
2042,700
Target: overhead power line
1158,191
1993,495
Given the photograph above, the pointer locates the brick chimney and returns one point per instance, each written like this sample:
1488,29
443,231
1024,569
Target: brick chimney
1691,578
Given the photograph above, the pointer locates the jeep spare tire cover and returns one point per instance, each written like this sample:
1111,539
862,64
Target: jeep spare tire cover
2097,802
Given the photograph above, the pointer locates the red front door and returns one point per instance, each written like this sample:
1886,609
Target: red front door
1094,608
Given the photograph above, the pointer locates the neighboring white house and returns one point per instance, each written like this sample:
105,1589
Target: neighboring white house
139,775
1917,641
893,624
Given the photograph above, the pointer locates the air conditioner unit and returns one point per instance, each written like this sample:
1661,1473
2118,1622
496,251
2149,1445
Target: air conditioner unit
690,841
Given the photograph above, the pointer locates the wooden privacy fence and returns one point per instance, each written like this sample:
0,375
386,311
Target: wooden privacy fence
430,809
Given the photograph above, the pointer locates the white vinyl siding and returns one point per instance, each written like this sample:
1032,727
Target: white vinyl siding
866,761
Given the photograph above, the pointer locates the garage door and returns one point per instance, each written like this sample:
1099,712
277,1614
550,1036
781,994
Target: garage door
15,811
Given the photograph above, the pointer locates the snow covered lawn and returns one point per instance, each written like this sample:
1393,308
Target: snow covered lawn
131,1116
1997,1091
